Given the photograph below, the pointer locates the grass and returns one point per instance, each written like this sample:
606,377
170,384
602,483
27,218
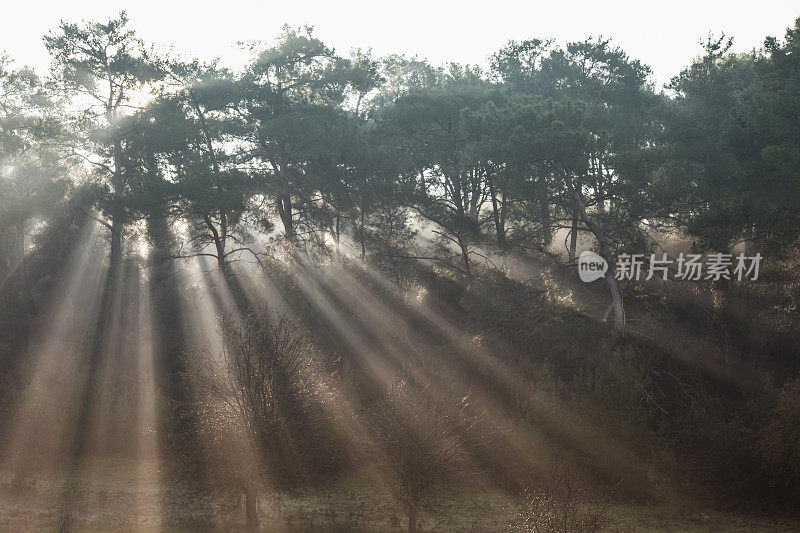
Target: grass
112,495
654,518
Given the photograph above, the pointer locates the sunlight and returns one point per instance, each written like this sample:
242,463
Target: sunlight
332,289
44,426
364,350
149,433
139,97
143,247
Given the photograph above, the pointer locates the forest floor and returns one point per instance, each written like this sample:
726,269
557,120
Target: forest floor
117,495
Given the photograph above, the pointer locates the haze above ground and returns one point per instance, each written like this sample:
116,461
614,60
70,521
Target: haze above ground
664,35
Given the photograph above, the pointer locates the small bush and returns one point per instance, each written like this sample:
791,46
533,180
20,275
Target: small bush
559,501
419,437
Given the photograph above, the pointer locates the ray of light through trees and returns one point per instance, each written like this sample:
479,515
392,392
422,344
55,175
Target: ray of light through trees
335,291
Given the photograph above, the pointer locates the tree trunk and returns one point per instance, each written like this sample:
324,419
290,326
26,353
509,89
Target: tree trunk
503,210
544,208
749,240
362,231
251,508
498,223
573,236
115,259
219,244
597,170
221,267
465,257
474,197
284,202
412,519
616,302
616,308
547,232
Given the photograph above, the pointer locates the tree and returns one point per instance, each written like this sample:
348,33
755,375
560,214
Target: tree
444,183
711,203
421,438
33,174
602,188
105,66
290,95
761,134
264,405
188,131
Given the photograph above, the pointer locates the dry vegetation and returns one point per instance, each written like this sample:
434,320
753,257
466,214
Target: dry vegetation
104,499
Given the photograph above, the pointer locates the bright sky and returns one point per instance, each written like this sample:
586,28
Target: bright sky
663,34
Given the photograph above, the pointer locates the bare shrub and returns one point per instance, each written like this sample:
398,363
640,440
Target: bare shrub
559,501
261,405
419,436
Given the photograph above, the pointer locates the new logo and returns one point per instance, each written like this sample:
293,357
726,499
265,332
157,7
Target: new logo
591,266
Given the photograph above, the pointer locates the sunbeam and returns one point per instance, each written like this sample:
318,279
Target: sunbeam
149,466
44,427
333,289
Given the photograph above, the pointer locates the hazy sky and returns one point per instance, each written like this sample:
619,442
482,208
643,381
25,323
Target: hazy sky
663,34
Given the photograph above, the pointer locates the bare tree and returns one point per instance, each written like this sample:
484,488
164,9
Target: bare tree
559,501
261,401
419,437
